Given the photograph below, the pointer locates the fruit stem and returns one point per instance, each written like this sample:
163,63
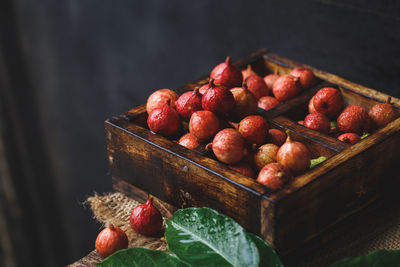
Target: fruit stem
288,139
196,91
111,226
208,146
234,124
228,60
211,83
249,67
388,100
149,200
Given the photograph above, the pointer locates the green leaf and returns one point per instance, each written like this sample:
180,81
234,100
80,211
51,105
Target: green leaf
139,256
268,256
365,135
315,162
377,258
203,237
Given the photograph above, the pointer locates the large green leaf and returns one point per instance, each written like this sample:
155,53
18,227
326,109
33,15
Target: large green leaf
139,256
203,237
374,259
268,256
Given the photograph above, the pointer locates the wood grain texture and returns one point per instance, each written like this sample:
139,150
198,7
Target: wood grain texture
321,143
350,180
182,177
166,210
88,261
340,191
387,156
339,81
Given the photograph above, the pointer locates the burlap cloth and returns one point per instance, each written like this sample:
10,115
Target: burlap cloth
380,230
115,208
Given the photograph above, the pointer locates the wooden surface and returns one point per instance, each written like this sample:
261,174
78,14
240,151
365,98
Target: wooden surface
88,260
304,208
379,214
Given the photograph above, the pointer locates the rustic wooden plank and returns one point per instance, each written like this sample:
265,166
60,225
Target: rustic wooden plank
354,97
349,182
304,208
317,137
88,261
339,81
268,222
166,209
391,131
181,152
182,177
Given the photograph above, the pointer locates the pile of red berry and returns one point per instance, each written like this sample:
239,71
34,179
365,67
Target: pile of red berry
328,115
221,116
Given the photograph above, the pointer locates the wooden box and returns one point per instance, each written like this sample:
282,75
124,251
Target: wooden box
349,180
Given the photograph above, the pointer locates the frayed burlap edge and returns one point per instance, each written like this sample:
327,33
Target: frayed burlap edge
115,208
381,231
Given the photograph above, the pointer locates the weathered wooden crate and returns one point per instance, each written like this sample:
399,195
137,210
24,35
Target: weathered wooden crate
352,178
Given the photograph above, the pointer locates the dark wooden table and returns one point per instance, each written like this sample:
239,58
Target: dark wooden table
88,260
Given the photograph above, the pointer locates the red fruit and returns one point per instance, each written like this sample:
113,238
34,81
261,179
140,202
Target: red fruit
311,108
164,120
294,156
353,119
349,138
189,141
245,102
159,97
257,86
227,74
328,101
254,129
218,99
318,122
244,168
267,102
248,72
110,240
203,125
204,88
228,146
146,219
273,175
307,77
382,114
276,137
286,87
188,103
270,79
265,154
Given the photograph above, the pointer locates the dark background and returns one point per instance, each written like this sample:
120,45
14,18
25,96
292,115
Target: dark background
66,66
